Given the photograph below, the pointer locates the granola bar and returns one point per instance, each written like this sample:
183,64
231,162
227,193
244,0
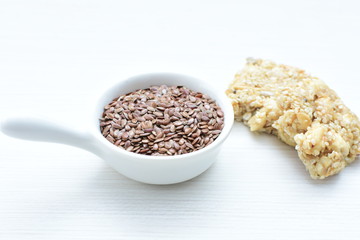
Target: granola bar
301,110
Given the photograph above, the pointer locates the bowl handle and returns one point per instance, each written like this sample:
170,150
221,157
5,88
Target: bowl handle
37,129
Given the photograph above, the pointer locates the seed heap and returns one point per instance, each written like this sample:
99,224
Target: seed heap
162,120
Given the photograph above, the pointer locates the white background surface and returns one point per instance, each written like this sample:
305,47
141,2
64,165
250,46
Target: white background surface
57,56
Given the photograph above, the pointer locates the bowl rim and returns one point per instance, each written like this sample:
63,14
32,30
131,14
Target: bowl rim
220,99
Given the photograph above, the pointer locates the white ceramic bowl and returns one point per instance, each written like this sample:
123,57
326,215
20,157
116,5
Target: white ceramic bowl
143,168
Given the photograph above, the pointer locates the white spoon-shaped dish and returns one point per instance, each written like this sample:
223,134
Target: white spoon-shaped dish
143,168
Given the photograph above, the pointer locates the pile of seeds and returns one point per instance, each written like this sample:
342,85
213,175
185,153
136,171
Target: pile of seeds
162,120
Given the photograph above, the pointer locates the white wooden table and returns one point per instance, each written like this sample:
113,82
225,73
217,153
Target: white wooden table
56,56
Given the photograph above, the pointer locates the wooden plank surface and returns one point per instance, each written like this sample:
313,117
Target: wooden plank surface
57,56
